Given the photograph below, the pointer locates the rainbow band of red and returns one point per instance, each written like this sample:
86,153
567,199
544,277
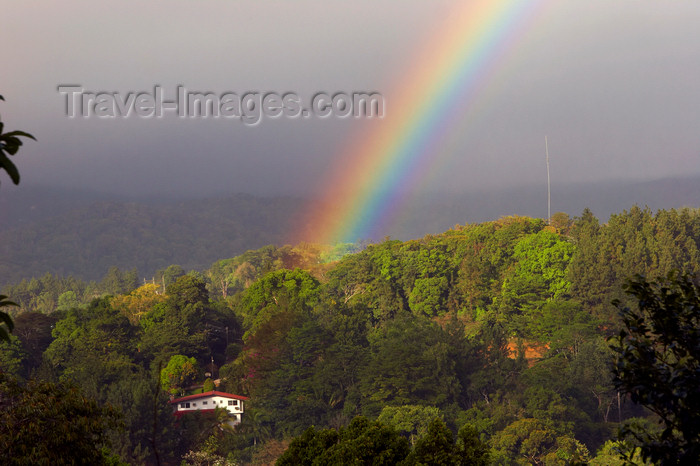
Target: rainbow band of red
373,175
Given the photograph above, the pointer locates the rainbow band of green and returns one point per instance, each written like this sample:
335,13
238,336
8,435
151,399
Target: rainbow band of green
373,178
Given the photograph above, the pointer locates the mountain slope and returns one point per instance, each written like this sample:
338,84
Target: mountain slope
86,241
83,234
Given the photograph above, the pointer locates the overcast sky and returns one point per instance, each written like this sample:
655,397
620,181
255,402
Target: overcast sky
615,85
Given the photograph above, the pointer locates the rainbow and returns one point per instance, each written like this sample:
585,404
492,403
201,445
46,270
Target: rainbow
374,174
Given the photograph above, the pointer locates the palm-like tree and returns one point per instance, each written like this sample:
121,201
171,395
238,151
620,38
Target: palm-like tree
256,424
10,143
222,422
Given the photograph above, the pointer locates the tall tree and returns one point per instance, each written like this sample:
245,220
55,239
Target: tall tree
470,450
361,442
411,420
658,365
45,423
436,447
179,373
6,324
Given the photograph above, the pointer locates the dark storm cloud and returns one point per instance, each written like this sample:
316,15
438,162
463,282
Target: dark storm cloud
613,84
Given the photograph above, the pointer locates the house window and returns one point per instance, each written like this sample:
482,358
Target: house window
205,402
194,404
182,405
230,402
187,405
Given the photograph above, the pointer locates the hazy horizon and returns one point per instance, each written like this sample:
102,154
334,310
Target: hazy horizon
432,213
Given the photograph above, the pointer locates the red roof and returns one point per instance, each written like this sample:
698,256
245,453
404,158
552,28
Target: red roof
206,394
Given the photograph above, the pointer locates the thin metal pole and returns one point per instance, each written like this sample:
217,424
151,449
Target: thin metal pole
549,198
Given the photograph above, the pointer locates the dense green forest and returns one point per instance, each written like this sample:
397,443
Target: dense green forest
486,344
84,234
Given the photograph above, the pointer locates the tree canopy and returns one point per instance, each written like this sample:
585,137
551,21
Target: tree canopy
658,364
486,341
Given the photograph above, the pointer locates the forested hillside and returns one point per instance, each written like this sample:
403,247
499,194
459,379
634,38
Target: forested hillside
84,234
86,241
498,330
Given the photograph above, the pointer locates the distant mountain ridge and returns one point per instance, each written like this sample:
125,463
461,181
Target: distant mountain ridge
83,234
87,240
440,212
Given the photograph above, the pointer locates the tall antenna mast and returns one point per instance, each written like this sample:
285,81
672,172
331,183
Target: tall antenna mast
549,198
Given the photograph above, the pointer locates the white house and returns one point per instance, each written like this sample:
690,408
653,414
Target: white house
209,401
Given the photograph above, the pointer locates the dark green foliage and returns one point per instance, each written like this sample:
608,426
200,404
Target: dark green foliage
534,442
117,282
470,450
209,429
283,344
589,375
436,447
50,293
308,448
10,143
375,443
261,301
410,420
496,372
45,423
565,324
93,347
658,365
362,442
168,276
6,324
631,242
188,324
428,295
12,356
149,429
411,360
490,325
233,275
367,442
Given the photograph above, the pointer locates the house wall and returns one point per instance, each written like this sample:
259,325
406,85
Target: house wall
211,402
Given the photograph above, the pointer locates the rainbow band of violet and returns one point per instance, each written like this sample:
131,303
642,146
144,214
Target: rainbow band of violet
367,187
